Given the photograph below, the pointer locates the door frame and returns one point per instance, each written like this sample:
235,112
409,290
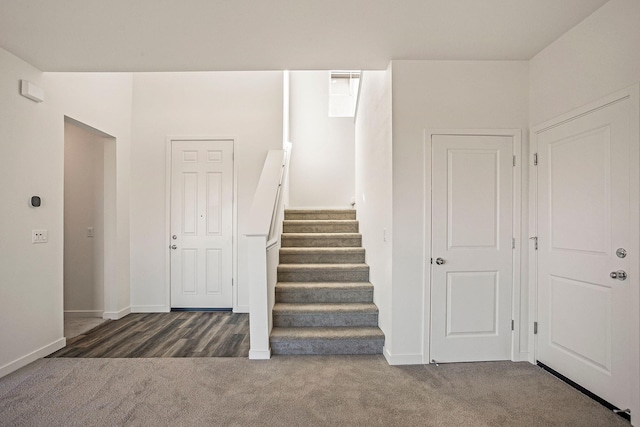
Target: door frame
110,242
516,135
234,215
633,95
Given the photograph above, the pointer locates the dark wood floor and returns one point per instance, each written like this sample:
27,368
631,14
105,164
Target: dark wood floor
176,334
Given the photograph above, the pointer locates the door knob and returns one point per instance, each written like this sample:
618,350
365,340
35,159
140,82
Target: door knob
174,237
620,275
439,261
174,247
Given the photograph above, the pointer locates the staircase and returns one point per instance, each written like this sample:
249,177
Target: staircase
324,301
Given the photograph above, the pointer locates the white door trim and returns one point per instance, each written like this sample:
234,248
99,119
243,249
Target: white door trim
633,95
167,199
516,134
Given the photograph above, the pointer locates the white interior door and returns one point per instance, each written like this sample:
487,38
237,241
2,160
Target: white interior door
201,224
471,291
583,217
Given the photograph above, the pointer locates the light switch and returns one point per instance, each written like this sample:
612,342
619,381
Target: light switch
89,231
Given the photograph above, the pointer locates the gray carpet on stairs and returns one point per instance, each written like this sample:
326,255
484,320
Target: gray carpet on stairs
290,391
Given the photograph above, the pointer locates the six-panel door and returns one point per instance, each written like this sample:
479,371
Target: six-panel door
201,224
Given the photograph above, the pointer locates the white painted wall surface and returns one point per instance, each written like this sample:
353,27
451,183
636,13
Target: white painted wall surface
103,101
597,57
438,95
31,163
323,156
243,105
83,207
373,186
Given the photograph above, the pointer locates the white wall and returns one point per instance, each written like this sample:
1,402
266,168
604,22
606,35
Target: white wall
373,186
31,163
103,102
247,106
599,56
323,155
437,95
83,207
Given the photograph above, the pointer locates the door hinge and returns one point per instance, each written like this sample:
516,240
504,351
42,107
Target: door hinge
535,328
535,242
431,260
535,159
513,324
514,161
513,243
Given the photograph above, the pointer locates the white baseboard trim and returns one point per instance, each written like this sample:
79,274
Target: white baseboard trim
402,359
69,314
241,309
260,354
115,315
521,357
32,357
150,309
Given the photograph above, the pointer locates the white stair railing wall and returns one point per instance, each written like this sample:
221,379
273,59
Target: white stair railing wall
264,231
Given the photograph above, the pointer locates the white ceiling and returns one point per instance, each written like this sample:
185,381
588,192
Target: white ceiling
192,35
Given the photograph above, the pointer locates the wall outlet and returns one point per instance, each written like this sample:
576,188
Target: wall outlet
39,236
89,231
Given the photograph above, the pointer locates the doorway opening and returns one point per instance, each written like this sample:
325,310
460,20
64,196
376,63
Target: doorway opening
89,224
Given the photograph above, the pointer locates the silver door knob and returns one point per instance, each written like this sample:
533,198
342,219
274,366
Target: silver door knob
620,275
174,247
174,237
439,261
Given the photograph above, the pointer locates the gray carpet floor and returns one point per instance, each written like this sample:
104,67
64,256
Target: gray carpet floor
290,391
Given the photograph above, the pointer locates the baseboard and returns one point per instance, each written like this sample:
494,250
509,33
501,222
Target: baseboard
115,315
241,309
402,359
150,309
260,354
70,314
522,357
32,357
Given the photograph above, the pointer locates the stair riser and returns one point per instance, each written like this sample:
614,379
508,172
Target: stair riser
327,346
327,296
320,216
315,242
306,320
328,258
320,228
323,276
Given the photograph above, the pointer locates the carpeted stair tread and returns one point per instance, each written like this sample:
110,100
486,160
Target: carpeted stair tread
322,267
294,286
319,214
321,226
340,240
320,235
320,250
284,308
320,221
341,333
322,255
323,273
324,292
